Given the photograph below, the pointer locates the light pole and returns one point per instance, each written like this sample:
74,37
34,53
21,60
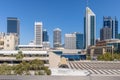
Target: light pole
112,51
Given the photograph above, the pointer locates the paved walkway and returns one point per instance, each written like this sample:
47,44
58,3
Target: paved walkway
12,77
95,67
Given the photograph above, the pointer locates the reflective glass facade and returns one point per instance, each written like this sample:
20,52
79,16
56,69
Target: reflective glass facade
45,36
89,28
116,28
79,41
113,24
74,57
84,32
92,19
12,25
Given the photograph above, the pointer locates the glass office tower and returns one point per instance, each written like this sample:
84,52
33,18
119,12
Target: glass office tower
89,28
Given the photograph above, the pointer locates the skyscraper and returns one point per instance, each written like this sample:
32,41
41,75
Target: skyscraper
38,33
113,24
57,38
105,33
70,41
13,26
119,36
89,28
45,36
74,41
116,28
107,22
79,41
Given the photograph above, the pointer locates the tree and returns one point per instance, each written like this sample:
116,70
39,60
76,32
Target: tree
88,58
36,64
105,57
22,68
5,69
19,55
47,70
109,57
18,69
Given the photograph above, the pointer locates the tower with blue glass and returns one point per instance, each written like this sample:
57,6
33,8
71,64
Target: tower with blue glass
45,36
112,24
13,26
79,41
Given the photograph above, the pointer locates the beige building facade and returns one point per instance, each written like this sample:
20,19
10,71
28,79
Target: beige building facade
2,40
10,41
95,51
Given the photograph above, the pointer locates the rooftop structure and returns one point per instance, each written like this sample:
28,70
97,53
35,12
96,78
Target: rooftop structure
30,47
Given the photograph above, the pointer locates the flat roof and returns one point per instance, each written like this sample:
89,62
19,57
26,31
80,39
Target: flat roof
29,45
24,52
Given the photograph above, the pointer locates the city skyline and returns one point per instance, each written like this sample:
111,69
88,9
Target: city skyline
54,14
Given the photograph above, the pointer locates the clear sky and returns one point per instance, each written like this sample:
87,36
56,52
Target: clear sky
66,14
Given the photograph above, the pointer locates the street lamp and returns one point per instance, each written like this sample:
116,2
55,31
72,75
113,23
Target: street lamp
112,51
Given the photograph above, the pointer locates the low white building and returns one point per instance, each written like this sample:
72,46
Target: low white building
30,47
9,56
50,59
46,45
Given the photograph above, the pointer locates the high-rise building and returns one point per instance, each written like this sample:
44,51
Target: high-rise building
107,22
57,38
89,28
45,36
38,33
70,41
13,26
46,43
116,28
74,41
79,41
105,33
113,24
119,36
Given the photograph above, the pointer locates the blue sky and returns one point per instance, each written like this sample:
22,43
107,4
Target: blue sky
65,14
